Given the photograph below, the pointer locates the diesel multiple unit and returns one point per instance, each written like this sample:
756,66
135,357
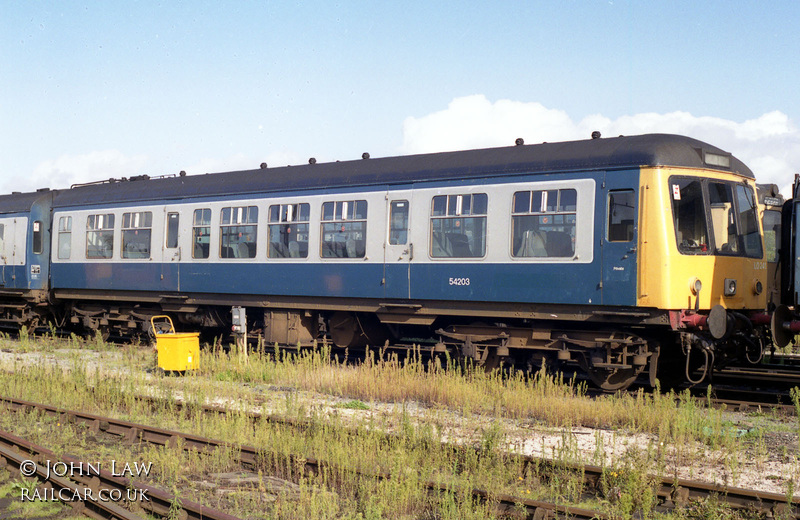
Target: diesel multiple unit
621,255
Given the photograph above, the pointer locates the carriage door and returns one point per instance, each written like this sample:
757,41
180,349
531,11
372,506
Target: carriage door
619,245
398,249
171,250
12,250
6,246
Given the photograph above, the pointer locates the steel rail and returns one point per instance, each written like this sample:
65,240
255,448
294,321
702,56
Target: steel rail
80,502
157,502
248,455
673,492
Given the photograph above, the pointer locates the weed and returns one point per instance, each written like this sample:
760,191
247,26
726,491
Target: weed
24,486
354,404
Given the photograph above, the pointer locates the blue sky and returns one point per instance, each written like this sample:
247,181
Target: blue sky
92,90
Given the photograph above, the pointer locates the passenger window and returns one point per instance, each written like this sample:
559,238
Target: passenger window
201,233
621,215
344,229
543,223
458,226
688,210
398,222
136,234
64,237
288,230
100,236
37,237
172,230
238,227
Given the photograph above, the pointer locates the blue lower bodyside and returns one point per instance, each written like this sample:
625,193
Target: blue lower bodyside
519,282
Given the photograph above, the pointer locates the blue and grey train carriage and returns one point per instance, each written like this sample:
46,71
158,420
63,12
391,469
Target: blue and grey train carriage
24,259
619,255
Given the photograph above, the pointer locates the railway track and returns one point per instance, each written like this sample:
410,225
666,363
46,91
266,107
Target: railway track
91,490
671,492
309,466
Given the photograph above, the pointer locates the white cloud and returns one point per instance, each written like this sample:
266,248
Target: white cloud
769,144
75,169
63,172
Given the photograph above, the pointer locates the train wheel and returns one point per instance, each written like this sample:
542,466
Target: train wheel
342,327
104,332
489,359
612,380
348,329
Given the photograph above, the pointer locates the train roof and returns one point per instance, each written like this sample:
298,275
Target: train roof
20,202
597,153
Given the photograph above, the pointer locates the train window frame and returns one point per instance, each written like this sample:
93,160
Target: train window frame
238,232
64,237
773,219
172,229
290,225
136,233
713,209
343,229
621,229
37,240
751,236
458,226
544,223
201,233
397,233
100,236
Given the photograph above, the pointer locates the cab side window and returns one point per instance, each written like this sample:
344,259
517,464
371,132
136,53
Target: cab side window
621,215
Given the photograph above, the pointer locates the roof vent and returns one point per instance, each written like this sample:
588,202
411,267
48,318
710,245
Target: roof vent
595,135
519,142
312,161
263,166
365,155
182,173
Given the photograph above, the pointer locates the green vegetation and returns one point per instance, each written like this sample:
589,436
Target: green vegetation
428,398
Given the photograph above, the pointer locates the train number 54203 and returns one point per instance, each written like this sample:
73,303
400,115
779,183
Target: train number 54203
459,281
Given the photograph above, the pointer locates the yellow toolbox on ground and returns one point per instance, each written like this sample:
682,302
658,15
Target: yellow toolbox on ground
177,351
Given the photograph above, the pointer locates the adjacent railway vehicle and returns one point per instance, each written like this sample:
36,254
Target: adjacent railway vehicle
622,255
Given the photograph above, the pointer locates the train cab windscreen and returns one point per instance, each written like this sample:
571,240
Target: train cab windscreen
715,217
